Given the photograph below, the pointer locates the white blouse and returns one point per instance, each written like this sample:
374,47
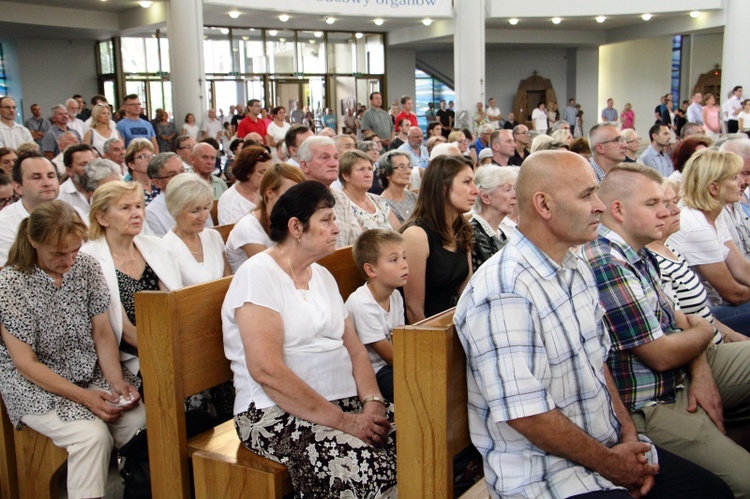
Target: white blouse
192,271
247,231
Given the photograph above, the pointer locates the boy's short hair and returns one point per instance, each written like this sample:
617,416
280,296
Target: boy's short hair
368,246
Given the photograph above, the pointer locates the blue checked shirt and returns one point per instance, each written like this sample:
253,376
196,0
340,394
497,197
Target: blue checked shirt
534,342
637,311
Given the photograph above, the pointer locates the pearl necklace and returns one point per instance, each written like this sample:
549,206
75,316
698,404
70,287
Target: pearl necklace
294,276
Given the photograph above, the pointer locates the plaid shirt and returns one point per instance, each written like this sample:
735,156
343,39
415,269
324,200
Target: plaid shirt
636,312
534,342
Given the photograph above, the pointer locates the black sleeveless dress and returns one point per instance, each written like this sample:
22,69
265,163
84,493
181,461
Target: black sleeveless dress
444,273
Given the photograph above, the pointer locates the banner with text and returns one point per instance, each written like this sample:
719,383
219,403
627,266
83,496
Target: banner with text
370,8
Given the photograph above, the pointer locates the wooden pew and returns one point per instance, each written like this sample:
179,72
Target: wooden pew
429,369
224,230
30,464
181,351
215,212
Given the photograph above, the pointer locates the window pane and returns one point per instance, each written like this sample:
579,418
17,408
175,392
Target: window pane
340,53
252,56
311,51
109,91
164,44
157,98
370,57
255,90
226,94
133,55
152,55
217,53
280,50
105,58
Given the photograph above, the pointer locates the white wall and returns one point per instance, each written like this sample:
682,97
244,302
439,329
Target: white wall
54,70
638,72
399,70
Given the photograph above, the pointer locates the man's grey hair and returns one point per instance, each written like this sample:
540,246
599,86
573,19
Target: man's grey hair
739,146
305,152
108,144
595,135
157,162
70,101
56,107
66,134
97,170
485,129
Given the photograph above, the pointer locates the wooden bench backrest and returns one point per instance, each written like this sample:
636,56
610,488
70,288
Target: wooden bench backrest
181,349
431,416
215,212
224,230
8,469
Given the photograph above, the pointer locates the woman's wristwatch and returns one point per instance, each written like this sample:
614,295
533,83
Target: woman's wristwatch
375,398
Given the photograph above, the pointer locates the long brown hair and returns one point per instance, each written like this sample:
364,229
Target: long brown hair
432,200
50,223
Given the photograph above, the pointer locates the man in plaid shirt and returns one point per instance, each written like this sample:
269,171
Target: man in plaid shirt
675,385
543,409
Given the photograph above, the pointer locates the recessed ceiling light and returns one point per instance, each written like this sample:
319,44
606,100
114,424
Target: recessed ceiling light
234,14
272,32
224,31
246,38
513,21
556,20
695,14
312,42
330,20
318,34
283,18
646,17
144,4
358,35
378,22
601,19
282,40
427,21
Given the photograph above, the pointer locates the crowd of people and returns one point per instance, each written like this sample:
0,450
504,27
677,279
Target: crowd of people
602,286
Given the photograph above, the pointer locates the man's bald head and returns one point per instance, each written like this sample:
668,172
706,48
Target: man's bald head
546,171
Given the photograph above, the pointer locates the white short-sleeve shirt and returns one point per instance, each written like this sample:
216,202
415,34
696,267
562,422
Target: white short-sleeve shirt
247,231
372,322
233,206
313,330
191,270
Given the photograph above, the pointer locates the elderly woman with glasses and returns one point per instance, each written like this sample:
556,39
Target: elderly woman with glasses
356,176
139,153
244,195
395,174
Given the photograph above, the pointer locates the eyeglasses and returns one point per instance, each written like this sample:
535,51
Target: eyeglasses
171,175
262,158
521,133
146,156
619,140
7,201
184,147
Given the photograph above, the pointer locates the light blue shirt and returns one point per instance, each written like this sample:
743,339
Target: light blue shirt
659,161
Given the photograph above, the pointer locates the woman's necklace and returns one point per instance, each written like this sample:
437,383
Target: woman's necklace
122,264
294,277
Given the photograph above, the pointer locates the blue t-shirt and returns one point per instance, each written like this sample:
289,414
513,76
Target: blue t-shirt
133,129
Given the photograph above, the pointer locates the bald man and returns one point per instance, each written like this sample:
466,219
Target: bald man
543,409
672,378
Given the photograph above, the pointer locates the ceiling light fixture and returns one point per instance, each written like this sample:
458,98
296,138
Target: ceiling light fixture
273,32
601,19
224,31
318,34
282,40
646,17
695,14
378,22
312,42
513,21
144,4
246,38
283,18
330,20
358,35
234,14
427,21
556,20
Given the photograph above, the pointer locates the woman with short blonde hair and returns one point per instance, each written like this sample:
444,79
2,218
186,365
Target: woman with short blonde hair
710,181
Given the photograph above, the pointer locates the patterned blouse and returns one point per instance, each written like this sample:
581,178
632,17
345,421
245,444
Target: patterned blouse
402,209
377,220
56,323
128,288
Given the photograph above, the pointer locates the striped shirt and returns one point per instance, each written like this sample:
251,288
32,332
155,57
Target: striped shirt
636,312
684,286
534,342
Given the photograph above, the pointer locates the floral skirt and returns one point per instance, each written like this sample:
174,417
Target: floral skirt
322,461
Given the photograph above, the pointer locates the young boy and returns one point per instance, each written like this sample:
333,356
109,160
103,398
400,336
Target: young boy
376,307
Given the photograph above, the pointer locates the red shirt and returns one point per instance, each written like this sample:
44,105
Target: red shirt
247,125
402,115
